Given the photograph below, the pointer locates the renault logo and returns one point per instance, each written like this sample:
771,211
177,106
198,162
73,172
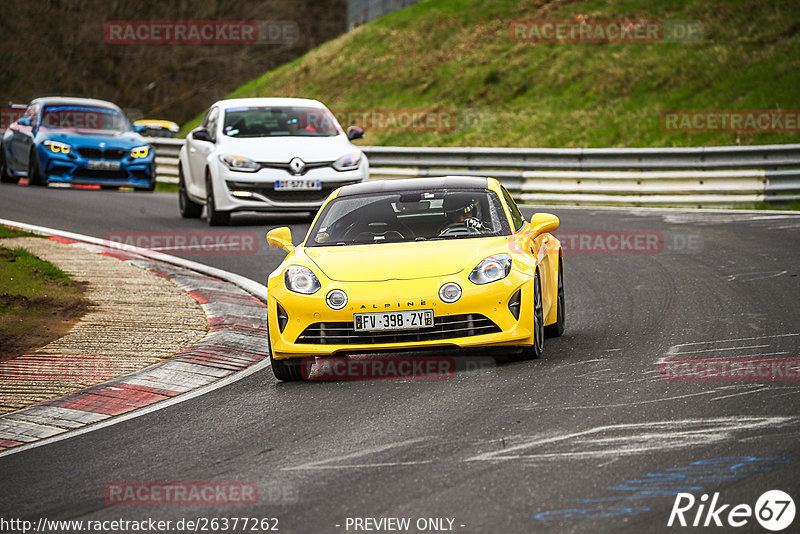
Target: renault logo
297,166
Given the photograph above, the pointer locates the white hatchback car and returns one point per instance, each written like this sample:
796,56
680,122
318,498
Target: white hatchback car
266,154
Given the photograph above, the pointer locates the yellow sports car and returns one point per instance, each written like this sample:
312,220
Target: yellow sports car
415,264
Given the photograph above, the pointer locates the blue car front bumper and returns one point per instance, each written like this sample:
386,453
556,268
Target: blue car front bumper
94,166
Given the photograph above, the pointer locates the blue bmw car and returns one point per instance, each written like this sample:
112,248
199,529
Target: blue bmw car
76,141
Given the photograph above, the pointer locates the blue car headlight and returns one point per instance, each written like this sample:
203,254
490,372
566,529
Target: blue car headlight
348,162
57,147
491,269
140,152
300,280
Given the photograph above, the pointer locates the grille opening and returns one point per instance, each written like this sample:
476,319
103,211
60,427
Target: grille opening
99,153
445,327
514,304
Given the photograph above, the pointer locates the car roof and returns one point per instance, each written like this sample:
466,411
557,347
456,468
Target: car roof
414,184
71,100
270,101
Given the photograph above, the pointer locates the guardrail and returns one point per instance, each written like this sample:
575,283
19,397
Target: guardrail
701,176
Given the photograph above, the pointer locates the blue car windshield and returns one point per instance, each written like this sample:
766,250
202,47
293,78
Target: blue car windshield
280,121
410,216
84,118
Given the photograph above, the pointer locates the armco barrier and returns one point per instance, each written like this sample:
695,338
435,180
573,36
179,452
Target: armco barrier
693,176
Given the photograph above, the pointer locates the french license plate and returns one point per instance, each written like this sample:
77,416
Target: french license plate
298,185
399,320
101,165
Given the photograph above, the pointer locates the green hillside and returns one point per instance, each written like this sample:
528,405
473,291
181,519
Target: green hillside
457,56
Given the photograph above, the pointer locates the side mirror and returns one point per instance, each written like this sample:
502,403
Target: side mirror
280,238
354,132
201,134
24,121
542,223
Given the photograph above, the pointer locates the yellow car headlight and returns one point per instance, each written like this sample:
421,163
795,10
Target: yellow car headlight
140,152
58,148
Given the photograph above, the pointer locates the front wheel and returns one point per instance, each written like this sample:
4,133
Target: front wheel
34,174
536,349
285,370
215,218
189,209
5,173
557,328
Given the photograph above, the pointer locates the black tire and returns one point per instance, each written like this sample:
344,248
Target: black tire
189,209
537,348
34,174
556,329
5,175
284,370
215,218
150,187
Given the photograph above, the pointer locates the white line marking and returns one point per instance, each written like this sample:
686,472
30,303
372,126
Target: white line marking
729,340
639,438
651,401
320,464
742,393
725,348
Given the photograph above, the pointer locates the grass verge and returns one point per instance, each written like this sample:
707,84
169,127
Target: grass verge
38,301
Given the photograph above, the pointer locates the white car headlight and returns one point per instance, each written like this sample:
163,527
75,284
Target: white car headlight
348,162
140,152
239,163
491,269
300,280
57,147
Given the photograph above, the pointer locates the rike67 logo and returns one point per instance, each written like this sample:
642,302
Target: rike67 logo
774,511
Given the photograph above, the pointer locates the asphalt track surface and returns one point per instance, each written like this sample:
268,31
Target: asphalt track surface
589,438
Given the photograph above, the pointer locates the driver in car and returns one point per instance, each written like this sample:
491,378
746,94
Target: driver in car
461,212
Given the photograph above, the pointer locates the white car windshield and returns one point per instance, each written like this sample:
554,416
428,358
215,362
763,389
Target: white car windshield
85,118
249,121
410,216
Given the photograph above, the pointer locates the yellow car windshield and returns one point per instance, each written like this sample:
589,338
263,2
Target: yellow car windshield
410,216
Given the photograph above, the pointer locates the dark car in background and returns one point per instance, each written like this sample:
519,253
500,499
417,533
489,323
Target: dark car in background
76,141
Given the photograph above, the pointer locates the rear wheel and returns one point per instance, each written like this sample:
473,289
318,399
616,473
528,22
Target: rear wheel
535,350
189,209
34,174
5,173
556,329
215,218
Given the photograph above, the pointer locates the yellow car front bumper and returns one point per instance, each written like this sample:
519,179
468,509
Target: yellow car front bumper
304,325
